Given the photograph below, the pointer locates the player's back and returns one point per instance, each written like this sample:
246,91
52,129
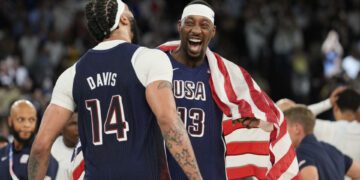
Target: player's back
118,131
342,134
330,162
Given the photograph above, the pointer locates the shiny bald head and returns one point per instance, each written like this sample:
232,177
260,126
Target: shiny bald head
22,120
285,104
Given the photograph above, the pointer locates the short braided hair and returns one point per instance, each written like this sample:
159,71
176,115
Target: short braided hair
100,15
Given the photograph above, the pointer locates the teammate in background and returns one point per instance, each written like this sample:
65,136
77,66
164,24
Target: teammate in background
343,133
14,157
64,145
203,117
317,160
124,100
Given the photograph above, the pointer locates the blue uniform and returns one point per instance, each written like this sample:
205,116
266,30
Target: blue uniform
202,120
20,163
119,133
330,162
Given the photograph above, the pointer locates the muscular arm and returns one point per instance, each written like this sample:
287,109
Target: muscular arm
309,172
54,120
161,100
354,171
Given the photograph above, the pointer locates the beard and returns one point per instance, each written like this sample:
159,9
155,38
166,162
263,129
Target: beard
135,31
19,139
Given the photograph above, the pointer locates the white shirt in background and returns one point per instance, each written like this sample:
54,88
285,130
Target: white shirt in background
344,135
63,155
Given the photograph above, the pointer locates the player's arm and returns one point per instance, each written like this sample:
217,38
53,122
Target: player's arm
160,98
49,130
154,70
354,171
54,120
309,173
327,104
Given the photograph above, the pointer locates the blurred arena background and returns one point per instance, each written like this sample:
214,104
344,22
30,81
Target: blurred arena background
284,44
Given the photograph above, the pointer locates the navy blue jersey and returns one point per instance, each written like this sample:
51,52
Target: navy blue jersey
20,163
119,134
202,119
330,162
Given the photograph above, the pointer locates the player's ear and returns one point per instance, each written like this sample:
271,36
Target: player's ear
124,20
179,24
213,32
9,121
297,128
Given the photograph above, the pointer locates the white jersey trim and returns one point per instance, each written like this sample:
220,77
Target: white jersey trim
63,90
149,65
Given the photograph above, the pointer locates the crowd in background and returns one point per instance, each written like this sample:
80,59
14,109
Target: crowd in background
280,42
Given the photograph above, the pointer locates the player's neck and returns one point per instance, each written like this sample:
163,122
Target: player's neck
299,139
347,116
117,35
182,57
18,145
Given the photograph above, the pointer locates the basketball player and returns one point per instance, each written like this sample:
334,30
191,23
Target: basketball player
124,100
202,117
196,105
14,157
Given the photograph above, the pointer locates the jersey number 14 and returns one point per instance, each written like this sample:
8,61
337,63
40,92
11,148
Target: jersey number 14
115,122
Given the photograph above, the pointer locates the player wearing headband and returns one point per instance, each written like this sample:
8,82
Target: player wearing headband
125,105
194,101
248,153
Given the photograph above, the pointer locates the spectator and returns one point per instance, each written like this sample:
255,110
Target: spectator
28,44
351,63
333,52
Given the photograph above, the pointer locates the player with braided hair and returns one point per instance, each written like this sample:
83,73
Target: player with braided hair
125,105
101,16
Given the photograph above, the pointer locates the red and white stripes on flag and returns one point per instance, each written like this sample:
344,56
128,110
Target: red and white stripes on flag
264,153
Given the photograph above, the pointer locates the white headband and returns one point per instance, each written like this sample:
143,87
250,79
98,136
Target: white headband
120,10
198,10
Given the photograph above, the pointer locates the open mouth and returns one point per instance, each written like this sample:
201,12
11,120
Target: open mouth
194,45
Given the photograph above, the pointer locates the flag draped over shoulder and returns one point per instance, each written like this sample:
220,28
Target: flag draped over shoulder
266,152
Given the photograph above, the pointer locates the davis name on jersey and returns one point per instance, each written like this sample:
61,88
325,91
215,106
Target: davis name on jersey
102,79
